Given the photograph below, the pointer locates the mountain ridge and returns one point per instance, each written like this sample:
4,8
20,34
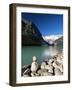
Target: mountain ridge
31,34
54,39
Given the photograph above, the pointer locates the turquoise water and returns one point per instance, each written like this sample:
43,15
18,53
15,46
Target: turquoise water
41,52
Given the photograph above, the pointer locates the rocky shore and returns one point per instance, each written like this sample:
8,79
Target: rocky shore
50,67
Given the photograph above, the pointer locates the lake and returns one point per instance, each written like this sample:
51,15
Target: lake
41,52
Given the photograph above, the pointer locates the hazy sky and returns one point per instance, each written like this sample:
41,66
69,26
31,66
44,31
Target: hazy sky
48,24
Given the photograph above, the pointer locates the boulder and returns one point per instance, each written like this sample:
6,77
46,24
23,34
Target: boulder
60,60
39,71
34,66
43,65
24,68
58,72
49,68
45,73
42,72
50,74
58,65
34,74
26,75
61,67
26,71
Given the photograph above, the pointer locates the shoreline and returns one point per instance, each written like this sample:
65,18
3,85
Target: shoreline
50,67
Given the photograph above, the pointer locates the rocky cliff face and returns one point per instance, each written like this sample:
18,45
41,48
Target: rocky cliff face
30,34
59,41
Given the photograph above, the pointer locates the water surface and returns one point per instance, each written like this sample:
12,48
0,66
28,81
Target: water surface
41,52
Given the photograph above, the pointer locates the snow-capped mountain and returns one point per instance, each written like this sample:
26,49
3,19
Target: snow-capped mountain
51,38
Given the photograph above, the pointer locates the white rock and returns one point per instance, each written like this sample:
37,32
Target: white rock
50,70
54,65
47,67
44,74
34,74
41,72
34,66
60,60
58,65
34,58
43,65
51,60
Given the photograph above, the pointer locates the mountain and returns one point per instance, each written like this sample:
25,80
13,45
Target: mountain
31,34
59,41
52,39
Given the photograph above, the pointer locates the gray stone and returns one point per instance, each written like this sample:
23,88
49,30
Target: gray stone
26,71
49,68
46,73
25,75
50,74
58,72
39,71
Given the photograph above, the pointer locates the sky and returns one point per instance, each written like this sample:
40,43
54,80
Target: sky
48,24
